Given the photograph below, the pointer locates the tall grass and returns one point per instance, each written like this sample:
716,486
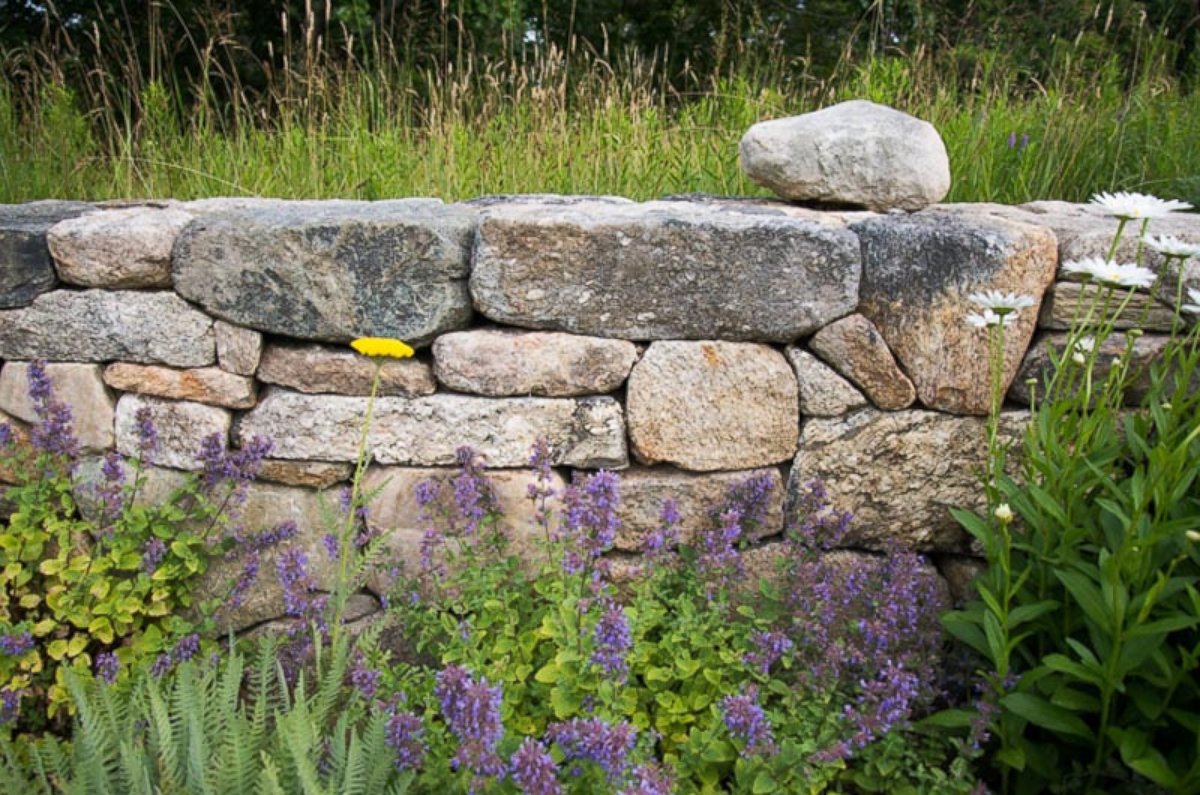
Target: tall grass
323,124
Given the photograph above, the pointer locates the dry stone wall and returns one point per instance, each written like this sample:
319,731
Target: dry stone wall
687,343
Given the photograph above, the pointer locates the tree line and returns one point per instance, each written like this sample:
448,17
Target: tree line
696,36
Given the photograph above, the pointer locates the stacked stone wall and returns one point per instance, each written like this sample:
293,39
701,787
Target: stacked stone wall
687,343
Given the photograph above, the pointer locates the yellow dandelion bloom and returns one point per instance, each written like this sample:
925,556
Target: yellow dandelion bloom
382,346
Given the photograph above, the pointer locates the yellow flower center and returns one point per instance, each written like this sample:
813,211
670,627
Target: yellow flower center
382,346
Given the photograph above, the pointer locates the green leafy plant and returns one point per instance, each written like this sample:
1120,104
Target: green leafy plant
1088,619
230,727
92,577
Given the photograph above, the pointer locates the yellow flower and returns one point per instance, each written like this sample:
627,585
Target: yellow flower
382,346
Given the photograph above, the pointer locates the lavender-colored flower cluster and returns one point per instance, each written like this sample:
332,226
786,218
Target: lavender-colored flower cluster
106,667
153,553
147,434
533,770
746,721
540,491
473,494
110,492
661,541
883,703
769,648
471,708
185,649
52,433
865,627
15,644
820,526
406,737
720,563
612,641
10,706
589,523
6,435
232,468
594,740
299,597
364,678
649,780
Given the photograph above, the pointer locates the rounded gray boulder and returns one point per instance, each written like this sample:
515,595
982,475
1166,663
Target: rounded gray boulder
854,153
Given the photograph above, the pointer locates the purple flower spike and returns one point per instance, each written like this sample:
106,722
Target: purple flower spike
53,433
612,642
147,434
593,740
365,679
471,708
10,706
533,770
769,647
16,644
107,667
153,553
746,721
405,736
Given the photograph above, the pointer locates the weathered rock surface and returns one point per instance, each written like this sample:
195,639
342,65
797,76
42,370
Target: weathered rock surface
79,387
100,326
823,393
124,248
1085,230
210,385
959,571
499,363
663,270
854,152
26,269
310,474
238,349
318,369
712,405
918,272
331,271
643,490
1036,365
899,473
397,515
1068,302
587,433
854,348
181,427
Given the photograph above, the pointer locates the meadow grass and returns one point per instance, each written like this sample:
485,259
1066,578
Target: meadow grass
579,124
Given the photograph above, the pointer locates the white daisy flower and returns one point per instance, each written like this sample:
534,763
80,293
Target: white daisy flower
1173,247
1137,206
990,318
1110,273
1001,303
1194,307
1083,347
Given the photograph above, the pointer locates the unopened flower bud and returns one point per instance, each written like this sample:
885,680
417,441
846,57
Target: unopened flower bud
1193,536
1003,513
1134,333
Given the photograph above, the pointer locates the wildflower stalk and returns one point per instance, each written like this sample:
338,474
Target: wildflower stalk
346,546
